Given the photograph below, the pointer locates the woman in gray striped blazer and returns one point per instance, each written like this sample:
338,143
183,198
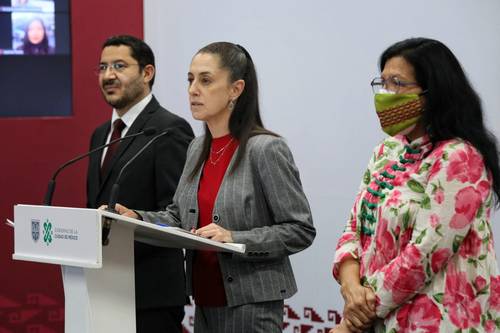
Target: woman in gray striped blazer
240,184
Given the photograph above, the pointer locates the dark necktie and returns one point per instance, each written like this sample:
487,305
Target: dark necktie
118,126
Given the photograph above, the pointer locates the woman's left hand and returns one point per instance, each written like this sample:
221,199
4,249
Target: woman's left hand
359,309
215,232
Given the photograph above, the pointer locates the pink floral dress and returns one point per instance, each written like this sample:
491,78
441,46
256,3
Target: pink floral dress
420,227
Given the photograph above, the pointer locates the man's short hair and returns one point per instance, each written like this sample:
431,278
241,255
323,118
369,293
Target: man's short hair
139,50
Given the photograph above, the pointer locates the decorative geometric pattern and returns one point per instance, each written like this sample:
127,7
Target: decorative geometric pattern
306,321
38,313
310,321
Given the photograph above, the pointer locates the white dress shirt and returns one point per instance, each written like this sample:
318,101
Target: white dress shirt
128,118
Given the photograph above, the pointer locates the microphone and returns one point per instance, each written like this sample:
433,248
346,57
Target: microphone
106,227
116,186
52,183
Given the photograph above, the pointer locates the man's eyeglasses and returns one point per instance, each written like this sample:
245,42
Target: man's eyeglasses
392,84
116,67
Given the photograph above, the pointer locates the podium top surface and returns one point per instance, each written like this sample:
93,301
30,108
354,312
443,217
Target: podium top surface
162,235
73,237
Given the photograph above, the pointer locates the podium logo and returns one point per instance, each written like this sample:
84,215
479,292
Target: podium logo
35,229
47,232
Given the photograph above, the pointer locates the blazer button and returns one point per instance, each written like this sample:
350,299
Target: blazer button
215,218
229,279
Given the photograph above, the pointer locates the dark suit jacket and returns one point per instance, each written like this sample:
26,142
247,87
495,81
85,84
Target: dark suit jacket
148,183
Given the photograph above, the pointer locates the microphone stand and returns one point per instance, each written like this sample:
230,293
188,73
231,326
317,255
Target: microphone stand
106,228
52,183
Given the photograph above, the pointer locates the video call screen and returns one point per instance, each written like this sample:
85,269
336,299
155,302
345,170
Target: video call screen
35,58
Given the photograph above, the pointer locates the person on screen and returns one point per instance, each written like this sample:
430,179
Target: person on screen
417,251
126,73
35,40
20,3
240,184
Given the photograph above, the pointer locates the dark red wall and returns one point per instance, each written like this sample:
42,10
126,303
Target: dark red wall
31,295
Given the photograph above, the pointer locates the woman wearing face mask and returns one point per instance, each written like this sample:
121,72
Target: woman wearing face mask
417,252
239,184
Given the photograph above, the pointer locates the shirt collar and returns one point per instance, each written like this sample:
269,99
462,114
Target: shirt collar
423,144
129,117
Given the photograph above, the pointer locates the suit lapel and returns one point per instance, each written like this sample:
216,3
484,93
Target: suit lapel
101,139
137,126
193,193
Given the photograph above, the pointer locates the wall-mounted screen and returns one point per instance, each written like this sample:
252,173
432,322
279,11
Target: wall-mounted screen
35,58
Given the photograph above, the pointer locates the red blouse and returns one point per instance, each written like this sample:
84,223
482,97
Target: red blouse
208,286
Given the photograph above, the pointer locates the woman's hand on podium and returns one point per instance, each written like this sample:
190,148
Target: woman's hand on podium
122,210
215,232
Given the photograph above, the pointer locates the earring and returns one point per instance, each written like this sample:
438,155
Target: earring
231,105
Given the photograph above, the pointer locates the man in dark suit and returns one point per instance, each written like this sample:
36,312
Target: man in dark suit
126,75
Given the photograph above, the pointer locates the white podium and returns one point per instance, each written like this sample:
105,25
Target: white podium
98,280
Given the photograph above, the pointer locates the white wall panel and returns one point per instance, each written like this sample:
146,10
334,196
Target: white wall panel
315,60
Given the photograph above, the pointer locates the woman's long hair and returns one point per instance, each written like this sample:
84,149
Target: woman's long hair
245,120
452,107
40,48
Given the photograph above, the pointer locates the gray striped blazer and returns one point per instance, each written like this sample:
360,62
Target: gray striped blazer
262,203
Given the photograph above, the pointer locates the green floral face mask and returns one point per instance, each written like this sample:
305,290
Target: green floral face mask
398,113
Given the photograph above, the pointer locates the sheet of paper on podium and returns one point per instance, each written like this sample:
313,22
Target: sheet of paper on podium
174,237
